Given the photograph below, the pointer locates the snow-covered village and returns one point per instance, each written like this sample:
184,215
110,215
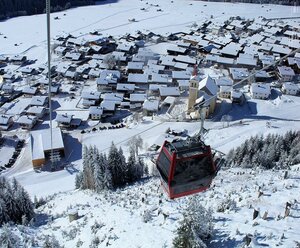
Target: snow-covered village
148,123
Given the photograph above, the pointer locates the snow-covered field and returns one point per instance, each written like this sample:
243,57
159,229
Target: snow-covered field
27,35
121,212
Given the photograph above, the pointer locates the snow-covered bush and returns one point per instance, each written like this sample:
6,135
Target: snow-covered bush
147,216
195,228
226,204
8,238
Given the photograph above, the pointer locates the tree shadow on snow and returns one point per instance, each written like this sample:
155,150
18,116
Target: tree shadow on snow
106,2
41,219
222,240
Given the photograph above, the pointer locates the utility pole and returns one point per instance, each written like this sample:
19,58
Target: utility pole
49,78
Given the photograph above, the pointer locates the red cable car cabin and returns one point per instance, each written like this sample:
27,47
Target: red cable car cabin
186,167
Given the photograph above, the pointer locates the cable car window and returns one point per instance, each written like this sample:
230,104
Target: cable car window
192,170
164,165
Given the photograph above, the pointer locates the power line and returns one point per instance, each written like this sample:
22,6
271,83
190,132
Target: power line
49,78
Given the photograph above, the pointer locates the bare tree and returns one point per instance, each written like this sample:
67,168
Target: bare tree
110,61
135,143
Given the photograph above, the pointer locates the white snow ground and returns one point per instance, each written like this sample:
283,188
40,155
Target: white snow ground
122,219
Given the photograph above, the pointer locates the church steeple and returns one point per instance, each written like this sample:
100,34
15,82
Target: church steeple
193,90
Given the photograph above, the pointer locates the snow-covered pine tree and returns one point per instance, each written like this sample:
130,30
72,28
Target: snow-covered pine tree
4,217
130,176
108,183
79,180
115,166
140,168
123,166
195,228
88,175
99,177
24,205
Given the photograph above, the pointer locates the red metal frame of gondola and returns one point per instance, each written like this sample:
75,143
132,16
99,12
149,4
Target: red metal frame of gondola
173,161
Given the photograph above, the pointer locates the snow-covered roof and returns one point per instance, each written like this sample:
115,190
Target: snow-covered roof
266,59
224,81
71,74
175,48
108,105
137,78
181,74
236,94
125,47
26,69
27,119
126,87
185,59
231,49
135,66
38,100
40,142
167,60
290,86
36,110
95,110
286,71
179,65
262,74
64,118
281,49
151,104
119,56
239,73
260,88
209,84
160,78
137,97
4,119
29,90
60,49
73,55
109,77
225,89
114,97
169,91
223,60
183,83
246,59
93,95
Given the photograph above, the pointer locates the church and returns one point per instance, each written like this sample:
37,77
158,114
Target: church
201,90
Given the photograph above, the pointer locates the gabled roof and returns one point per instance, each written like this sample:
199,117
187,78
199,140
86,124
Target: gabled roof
137,78
96,110
40,142
169,91
38,100
151,104
91,95
260,88
64,118
137,97
27,119
209,84
4,119
126,87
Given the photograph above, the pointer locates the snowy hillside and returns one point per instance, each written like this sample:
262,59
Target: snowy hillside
141,216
